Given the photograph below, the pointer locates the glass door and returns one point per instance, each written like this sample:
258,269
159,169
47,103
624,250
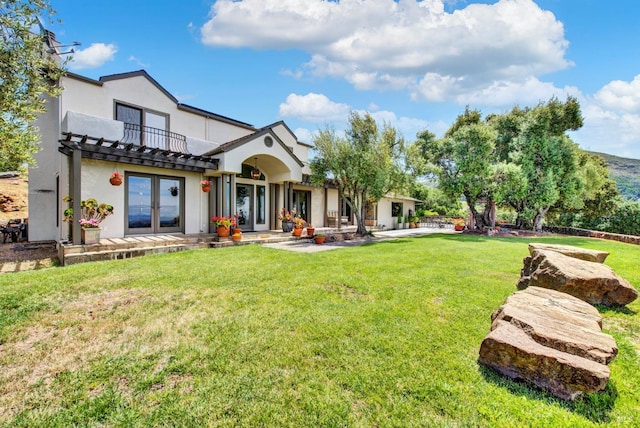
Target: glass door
154,204
244,206
170,197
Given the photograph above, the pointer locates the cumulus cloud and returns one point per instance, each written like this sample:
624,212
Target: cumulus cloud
612,119
404,44
320,111
620,95
94,56
314,108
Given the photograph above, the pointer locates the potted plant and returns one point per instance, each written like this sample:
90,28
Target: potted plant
115,179
310,229
206,185
92,214
399,221
458,224
319,238
223,224
298,225
237,235
286,218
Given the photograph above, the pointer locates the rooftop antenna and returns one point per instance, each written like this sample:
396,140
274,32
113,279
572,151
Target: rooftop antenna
52,43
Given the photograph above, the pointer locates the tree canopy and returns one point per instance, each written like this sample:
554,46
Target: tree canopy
365,164
27,71
523,159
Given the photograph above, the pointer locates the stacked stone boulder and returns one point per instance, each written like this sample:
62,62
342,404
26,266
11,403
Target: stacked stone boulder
548,333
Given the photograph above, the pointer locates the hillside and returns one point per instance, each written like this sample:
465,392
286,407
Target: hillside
13,197
626,173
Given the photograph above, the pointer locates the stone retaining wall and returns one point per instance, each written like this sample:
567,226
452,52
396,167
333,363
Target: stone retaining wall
574,231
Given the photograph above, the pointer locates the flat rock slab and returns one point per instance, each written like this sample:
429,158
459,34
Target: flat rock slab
559,321
595,283
513,353
571,251
550,339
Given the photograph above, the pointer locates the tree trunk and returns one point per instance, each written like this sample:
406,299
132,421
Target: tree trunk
539,218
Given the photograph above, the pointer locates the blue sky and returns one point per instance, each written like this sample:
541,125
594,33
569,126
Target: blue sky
414,64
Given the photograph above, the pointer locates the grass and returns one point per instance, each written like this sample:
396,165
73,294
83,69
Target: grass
385,334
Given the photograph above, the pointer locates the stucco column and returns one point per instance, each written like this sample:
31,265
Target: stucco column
232,194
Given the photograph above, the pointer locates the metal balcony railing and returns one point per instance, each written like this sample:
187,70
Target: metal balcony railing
154,137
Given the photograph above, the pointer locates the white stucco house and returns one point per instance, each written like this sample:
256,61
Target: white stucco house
128,123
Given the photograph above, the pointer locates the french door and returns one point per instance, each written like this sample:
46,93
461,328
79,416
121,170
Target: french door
244,206
155,204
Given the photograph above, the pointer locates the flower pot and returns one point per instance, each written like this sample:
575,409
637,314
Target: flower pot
458,227
222,231
287,226
310,231
90,235
236,237
319,239
115,181
297,232
206,189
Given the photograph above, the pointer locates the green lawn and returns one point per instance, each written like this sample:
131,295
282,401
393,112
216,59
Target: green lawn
384,334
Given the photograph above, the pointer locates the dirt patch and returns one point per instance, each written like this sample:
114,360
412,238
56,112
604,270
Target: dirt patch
14,197
73,335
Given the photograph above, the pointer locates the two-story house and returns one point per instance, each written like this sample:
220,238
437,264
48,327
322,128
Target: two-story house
128,123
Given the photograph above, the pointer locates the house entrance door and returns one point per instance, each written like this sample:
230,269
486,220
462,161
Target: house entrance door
155,204
244,206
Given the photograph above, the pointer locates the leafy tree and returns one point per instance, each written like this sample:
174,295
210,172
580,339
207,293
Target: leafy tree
463,161
535,140
27,72
435,200
365,164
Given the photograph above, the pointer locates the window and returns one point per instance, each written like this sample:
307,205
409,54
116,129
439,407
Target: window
261,204
396,209
143,126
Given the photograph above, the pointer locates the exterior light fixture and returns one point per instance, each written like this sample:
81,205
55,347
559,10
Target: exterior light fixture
255,172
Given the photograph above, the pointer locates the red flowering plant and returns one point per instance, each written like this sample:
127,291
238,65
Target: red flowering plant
222,221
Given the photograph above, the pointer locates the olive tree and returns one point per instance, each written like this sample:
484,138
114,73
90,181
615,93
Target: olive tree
27,71
365,164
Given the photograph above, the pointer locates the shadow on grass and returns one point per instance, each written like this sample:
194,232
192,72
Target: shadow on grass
616,310
595,407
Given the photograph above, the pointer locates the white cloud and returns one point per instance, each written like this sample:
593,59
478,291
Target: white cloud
314,108
612,119
620,95
138,61
319,110
387,44
94,56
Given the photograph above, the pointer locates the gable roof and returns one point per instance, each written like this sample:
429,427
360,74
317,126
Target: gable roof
179,105
230,145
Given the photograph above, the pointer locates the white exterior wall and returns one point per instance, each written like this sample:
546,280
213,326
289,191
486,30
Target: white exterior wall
44,201
95,184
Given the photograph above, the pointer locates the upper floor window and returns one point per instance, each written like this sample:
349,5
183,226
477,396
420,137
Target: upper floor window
148,128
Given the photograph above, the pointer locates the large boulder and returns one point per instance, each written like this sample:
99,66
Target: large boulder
559,321
571,251
550,339
595,283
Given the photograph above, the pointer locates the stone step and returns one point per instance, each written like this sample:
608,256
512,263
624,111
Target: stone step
126,253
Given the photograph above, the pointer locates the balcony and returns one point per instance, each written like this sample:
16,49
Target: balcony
154,138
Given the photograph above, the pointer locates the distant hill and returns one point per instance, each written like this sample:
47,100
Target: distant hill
626,173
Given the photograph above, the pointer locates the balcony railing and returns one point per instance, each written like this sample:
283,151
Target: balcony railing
154,137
